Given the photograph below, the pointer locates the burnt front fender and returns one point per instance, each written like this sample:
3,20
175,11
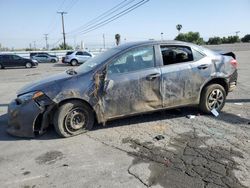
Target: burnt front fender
22,117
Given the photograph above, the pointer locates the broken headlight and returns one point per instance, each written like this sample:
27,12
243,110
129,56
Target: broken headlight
38,96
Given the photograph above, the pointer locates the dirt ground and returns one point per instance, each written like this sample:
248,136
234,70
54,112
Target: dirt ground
163,149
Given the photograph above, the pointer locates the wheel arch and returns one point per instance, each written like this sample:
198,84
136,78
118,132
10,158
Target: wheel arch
76,99
220,81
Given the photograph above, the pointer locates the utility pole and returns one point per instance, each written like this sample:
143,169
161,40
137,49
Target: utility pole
103,36
64,40
34,42
237,32
161,36
46,41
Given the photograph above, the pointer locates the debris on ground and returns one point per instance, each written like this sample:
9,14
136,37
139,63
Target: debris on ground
159,137
190,116
239,103
215,112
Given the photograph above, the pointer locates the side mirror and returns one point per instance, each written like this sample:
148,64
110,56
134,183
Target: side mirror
108,84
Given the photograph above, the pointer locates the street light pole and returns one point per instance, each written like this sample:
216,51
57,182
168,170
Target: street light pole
64,40
46,41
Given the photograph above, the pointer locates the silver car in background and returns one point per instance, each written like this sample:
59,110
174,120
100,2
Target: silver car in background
43,58
77,57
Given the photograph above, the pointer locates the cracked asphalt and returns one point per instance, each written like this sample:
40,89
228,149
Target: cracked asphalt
206,151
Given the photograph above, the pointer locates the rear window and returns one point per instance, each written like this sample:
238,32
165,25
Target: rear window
69,53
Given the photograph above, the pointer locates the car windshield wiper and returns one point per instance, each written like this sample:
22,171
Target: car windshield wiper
71,71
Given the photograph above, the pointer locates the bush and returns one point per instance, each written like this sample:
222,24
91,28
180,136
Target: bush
214,40
193,37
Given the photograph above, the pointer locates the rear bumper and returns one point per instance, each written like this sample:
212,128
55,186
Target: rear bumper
233,81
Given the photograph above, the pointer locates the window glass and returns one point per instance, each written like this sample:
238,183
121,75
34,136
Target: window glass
197,55
133,60
86,54
6,57
69,53
79,53
176,54
16,57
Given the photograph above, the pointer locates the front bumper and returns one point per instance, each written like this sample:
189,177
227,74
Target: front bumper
22,118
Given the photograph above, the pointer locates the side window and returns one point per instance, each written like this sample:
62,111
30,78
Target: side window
6,57
133,60
79,53
16,57
86,54
176,54
197,55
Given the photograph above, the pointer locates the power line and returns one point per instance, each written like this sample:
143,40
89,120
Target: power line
105,14
120,14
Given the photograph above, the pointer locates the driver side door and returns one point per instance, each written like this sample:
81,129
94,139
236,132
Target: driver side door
133,83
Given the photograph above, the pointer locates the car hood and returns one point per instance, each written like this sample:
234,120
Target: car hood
44,84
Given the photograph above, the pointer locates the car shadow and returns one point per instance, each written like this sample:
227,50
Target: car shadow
238,101
149,117
60,64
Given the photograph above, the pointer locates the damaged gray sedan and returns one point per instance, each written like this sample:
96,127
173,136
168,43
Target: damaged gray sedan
129,79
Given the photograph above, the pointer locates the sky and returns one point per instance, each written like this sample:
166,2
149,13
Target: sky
24,22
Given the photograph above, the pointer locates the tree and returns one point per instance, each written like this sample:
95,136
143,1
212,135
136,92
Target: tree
179,27
61,47
230,39
193,37
214,40
246,38
117,39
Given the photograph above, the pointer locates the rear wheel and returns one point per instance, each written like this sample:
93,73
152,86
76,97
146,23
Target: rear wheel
212,97
73,118
28,65
74,62
53,60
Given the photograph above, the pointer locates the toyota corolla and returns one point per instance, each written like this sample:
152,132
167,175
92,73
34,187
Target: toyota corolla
129,79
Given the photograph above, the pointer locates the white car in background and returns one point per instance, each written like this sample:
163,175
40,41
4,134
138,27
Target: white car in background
77,57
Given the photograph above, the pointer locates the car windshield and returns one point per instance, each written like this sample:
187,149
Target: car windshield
97,60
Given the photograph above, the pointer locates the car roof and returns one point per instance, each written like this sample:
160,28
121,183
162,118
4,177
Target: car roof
152,42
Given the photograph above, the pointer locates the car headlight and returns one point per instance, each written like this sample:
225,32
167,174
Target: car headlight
34,61
38,96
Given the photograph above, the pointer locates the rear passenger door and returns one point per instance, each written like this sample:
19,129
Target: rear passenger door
178,82
82,56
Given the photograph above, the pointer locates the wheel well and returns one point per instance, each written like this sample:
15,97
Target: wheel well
220,81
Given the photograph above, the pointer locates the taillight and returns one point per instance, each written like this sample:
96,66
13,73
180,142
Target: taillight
234,63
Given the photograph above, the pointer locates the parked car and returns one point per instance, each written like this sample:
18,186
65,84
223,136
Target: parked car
68,53
42,58
129,79
11,60
77,57
41,53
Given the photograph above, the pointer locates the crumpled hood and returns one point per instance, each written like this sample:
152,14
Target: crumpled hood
44,84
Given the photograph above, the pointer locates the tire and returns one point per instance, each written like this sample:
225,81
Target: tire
213,96
28,65
53,61
74,62
73,118
1,66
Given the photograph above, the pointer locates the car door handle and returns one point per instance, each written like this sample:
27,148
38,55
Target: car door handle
204,66
153,76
